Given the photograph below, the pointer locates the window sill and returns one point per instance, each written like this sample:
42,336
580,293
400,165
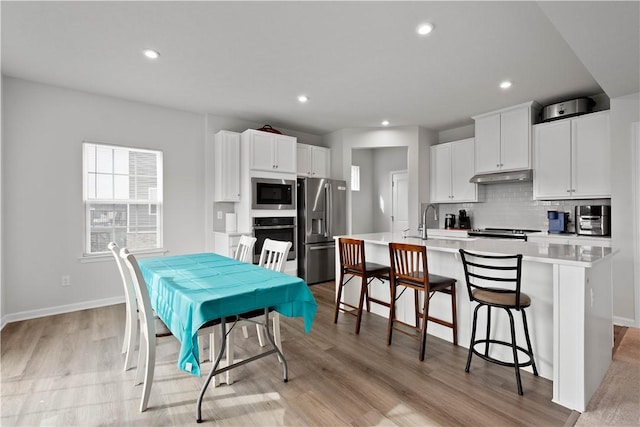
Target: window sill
109,257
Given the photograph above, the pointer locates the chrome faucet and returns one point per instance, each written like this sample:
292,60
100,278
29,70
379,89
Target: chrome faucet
423,231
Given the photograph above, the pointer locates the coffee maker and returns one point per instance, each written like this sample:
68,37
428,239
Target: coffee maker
463,220
558,221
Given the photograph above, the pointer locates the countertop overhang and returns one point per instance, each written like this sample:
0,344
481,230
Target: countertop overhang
549,253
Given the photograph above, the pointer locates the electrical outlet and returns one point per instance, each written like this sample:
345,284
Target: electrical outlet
65,280
219,214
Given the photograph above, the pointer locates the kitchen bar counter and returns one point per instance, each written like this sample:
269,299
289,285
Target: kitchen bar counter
570,318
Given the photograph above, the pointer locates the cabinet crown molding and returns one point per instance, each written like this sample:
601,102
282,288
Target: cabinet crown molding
531,104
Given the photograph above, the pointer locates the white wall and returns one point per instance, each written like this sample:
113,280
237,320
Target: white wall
624,112
363,200
44,127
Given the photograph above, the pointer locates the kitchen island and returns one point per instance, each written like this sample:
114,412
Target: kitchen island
570,318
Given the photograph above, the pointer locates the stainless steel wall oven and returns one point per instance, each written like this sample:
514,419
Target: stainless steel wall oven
274,228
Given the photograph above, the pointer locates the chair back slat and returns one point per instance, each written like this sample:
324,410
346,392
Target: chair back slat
244,251
483,272
274,254
129,291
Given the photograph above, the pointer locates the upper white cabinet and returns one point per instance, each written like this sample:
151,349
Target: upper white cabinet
226,186
572,158
314,161
503,139
270,151
451,169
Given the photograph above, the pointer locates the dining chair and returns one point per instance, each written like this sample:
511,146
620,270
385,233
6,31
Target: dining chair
409,269
244,253
494,281
147,351
131,310
273,257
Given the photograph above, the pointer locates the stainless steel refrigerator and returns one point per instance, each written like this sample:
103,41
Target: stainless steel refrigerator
322,214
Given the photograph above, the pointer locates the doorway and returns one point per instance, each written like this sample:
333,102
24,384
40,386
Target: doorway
399,201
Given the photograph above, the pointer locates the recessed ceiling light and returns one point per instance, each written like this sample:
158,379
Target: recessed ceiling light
151,54
505,84
385,123
303,98
424,29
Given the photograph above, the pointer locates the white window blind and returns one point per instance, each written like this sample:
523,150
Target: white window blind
122,192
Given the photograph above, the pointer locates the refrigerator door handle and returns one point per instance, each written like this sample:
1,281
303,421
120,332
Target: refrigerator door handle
327,209
321,248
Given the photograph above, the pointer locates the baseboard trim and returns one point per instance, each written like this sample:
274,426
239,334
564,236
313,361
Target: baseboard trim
623,321
61,309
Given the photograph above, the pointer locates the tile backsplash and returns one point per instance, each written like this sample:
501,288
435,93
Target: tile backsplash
511,205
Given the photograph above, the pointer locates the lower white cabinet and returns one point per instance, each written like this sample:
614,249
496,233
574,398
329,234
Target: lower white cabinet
570,239
572,158
452,165
313,161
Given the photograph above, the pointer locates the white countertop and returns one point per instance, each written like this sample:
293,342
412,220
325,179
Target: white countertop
550,253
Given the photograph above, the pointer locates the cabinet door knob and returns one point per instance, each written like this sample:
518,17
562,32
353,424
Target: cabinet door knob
568,191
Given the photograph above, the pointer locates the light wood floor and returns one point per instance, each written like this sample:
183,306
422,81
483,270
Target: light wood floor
67,370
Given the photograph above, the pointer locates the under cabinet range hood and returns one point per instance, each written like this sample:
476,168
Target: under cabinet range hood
500,177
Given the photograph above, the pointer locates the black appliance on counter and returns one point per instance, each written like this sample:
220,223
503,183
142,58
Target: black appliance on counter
593,220
463,220
501,233
450,221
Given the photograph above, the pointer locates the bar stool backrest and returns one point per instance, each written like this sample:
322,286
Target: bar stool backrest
351,254
492,273
408,263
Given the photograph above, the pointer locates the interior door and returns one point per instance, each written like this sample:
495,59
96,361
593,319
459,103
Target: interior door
399,201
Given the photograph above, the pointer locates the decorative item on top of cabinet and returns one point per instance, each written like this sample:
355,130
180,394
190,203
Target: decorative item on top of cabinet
451,169
314,161
503,138
226,187
572,158
270,151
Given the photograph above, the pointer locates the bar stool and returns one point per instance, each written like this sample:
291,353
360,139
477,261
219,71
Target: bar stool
353,262
409,269
480,271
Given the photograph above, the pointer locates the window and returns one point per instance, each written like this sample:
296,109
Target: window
122,192
355,178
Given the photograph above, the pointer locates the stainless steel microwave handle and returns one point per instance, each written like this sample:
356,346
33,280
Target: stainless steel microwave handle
589,217
272,227
320,248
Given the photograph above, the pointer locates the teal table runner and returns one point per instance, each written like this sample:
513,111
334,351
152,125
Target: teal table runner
187,291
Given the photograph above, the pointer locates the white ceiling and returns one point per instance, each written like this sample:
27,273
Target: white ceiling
359,62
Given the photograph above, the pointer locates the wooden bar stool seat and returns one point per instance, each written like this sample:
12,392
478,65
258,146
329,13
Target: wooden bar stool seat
409,269
494,281
354,264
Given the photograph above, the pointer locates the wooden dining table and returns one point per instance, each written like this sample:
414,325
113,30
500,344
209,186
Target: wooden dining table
189,291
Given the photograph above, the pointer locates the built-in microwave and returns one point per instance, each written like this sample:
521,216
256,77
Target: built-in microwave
268,193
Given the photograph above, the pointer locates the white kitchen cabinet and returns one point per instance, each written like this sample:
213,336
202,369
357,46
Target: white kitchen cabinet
451,169
572,158
226,186
503,139
314,161
270,151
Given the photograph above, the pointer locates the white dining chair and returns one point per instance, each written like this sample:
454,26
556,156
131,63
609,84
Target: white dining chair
274,256
147,351
244,253
131,310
